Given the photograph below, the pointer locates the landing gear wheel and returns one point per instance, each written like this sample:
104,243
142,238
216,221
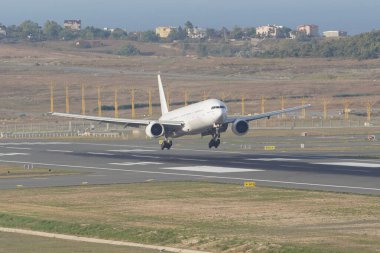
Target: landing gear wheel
217,143
214,143
166,144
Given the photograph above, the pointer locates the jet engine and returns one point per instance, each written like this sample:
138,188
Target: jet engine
240,127
154,130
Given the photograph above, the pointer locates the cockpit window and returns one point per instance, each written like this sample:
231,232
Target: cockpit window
216,107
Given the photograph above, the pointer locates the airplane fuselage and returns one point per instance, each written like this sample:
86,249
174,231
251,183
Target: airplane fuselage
198,117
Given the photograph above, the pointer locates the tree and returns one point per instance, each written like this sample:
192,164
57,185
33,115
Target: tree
202,50
30,30
237,33
211,33
52,30
128,50
250,32
189,26
68,34
118,34
149,36
177,34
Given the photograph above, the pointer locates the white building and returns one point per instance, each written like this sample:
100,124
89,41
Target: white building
73,24
271,31
3,31
310,30
196,33
334,34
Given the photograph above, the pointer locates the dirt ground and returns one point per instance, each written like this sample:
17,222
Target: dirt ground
27,70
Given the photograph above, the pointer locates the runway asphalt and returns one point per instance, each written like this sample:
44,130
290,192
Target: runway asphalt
138,161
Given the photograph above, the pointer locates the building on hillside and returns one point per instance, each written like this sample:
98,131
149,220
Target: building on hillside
164,31
334,34
196,33
268,31
309,30
73,24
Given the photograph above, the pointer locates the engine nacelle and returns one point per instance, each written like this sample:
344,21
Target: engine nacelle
154,130
240,127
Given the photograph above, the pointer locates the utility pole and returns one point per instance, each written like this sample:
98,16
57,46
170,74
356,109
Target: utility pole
83,101
99,103
304,109
262,104
133,103
346,104
116,105
325,103
51,96
369,110
67,99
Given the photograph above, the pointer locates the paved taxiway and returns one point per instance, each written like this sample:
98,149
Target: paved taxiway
135,161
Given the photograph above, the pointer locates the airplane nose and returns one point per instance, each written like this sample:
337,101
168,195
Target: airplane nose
219,116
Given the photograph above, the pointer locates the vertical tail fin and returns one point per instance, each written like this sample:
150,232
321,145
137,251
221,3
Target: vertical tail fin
164,106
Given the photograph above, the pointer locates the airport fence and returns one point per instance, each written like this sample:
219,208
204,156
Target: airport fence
86,129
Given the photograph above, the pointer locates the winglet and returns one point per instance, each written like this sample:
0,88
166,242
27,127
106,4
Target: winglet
164,106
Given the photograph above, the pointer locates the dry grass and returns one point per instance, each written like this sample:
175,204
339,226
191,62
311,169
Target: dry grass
18,171
27,70
216,217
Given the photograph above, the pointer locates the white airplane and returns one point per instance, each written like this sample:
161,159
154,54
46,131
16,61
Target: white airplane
208,117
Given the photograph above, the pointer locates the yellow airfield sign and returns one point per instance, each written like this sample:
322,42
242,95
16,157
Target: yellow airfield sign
249,184
269,147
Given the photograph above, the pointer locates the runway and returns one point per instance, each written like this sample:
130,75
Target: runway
138,161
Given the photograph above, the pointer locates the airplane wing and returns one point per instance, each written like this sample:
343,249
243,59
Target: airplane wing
120,121
266,114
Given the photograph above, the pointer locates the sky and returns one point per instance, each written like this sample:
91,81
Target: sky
354,16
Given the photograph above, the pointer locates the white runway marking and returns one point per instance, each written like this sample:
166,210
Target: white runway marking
59,151
33,143
12,154
99,153
131,150
211,169
273,159
146,156
352,164
134,163
18,148
203,176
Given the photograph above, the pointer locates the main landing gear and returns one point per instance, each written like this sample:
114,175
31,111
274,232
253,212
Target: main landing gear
215,141
166,144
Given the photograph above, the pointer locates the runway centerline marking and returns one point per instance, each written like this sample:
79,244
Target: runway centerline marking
272,159
130,150
203,176
60,151
351,164
99,153
211,169
18,148
135,163
147,156
13,154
